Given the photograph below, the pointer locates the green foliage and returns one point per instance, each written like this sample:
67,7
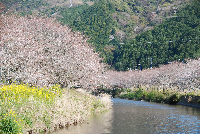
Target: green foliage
114,92
96,22
191,94
154,96
139,94
97,104
151,96
27,120
174,98
129,95
160,97
198,102
27,7
9,123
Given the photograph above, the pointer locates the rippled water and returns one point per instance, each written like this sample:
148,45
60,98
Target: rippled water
137,117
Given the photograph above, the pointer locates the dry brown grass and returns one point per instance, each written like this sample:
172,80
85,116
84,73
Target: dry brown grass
76,107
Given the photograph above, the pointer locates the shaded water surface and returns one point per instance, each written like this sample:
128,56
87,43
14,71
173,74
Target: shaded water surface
137,117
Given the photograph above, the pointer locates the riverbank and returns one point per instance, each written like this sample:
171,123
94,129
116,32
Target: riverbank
191,101
34,110
160,96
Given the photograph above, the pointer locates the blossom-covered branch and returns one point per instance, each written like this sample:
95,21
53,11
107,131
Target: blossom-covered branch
42,52
177,75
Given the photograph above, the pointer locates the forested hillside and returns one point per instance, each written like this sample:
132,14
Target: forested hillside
175,39
97,23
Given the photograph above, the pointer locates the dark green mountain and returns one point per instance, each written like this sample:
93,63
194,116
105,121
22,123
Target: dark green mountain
175,39
97,23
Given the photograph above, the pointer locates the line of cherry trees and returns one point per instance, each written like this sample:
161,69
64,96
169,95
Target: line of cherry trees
42,52
177,75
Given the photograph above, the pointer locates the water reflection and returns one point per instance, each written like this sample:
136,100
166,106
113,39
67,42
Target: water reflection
136,117
144,117
97,124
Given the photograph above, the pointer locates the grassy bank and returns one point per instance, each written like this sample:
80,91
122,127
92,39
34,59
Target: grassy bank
30,109
160,96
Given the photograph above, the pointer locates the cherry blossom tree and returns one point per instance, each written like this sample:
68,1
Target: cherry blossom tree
177,75
42,52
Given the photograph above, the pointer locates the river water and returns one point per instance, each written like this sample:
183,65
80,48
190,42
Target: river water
138,117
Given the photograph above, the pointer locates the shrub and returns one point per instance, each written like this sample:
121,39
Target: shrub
138,94
198,102
123,96
151,96
174,98
191,94
160,97
131,95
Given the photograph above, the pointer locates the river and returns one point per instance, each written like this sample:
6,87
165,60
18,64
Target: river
139,117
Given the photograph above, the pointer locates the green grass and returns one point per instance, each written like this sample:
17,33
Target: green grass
169,97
